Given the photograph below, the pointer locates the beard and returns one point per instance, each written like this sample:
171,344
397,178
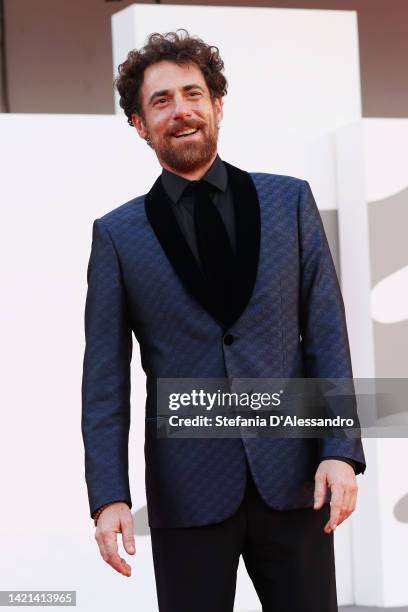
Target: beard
190,155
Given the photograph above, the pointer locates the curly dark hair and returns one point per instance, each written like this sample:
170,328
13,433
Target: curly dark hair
173,47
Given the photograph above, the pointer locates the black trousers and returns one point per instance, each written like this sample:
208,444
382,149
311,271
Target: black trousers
288,556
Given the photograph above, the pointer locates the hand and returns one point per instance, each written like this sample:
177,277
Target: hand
339,476
115,518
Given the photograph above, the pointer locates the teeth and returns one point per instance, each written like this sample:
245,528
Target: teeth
192,131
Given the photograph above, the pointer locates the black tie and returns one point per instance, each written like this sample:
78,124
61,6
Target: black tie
214,248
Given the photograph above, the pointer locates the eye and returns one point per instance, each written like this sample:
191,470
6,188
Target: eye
160,101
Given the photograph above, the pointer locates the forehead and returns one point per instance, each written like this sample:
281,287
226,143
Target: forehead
169,75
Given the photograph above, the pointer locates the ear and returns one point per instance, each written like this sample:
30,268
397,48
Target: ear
138,123
218,103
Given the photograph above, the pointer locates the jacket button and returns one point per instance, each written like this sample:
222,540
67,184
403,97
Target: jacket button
228,339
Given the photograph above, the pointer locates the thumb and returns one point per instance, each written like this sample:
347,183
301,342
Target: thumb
319,492
128,537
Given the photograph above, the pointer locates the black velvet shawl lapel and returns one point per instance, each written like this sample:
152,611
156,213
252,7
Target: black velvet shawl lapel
248,230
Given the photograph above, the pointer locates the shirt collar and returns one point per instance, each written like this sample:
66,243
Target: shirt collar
174,184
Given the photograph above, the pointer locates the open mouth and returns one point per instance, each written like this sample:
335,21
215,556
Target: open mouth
186,133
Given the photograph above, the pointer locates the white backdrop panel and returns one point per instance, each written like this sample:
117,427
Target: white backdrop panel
373,216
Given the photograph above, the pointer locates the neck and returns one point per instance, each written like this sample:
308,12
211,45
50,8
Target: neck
193,175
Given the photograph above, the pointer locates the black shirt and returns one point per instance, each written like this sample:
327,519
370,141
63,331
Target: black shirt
183,203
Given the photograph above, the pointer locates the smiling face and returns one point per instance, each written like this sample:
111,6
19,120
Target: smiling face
180,117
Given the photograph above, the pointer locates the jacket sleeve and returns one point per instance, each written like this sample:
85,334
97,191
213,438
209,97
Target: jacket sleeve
325,344
106,375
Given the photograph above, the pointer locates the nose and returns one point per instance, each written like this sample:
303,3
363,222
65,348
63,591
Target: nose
181,108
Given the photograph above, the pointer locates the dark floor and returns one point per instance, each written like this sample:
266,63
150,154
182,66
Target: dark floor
366,609
370,609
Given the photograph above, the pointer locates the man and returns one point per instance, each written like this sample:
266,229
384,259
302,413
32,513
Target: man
219,273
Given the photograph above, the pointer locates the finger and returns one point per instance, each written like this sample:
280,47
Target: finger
346,503
111,554
320,491
351,498
128,537
124,569
99,540
336,508
336,505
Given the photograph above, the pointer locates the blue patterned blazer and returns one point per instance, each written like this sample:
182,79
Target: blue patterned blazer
288,321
